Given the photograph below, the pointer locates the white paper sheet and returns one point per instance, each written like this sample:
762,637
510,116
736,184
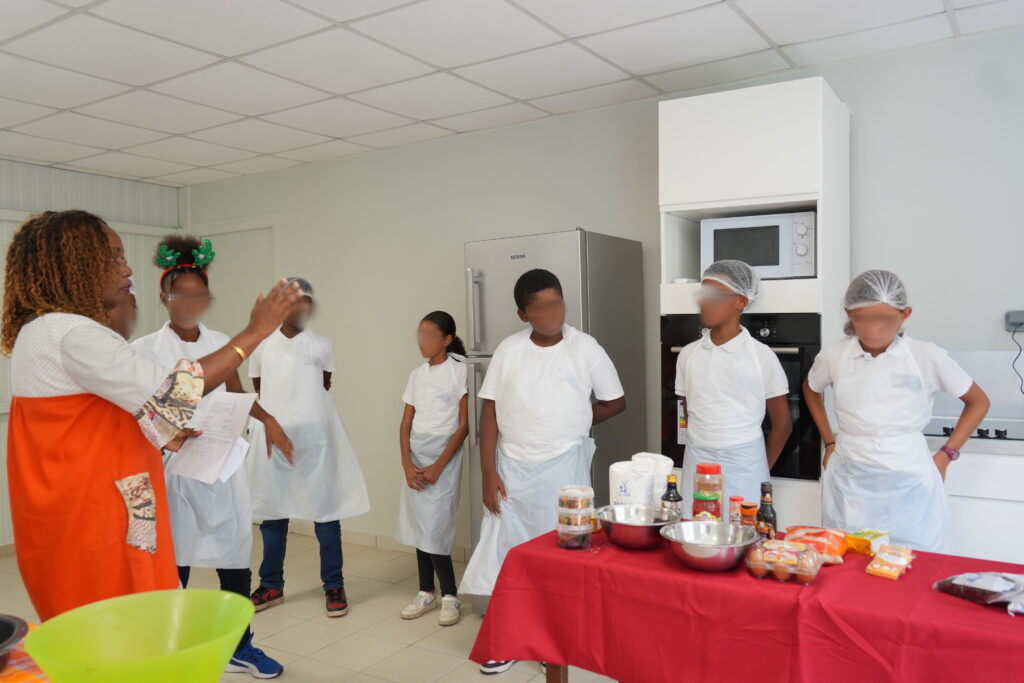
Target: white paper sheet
221,417
235,459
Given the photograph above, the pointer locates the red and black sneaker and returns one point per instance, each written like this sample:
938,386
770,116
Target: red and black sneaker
337,603
264,597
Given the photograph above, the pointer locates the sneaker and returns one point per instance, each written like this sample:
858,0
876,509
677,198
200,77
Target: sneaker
264,597
451,611
337,603
423,603
249,659
492,667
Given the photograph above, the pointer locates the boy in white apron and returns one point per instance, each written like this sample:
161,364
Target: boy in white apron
433,428
534,426
728,380
879,471
291,370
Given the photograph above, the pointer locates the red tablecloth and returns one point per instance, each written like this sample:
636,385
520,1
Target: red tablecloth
642,617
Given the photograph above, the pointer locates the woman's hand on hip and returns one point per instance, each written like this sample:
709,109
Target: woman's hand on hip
942,463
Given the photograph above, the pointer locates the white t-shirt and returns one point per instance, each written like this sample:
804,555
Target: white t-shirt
542,394
727,394
61,354
938,371
435,392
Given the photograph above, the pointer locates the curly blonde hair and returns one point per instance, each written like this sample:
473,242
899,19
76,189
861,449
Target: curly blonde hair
57,262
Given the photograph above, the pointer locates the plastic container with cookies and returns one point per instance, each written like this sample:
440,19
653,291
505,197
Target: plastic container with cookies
579,497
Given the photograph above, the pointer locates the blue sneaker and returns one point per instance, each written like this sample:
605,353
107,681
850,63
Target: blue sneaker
251,660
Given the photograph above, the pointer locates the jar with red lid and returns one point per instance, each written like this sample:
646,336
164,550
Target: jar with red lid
708,492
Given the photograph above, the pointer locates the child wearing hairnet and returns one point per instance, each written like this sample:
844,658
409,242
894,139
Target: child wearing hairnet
879,470
291,370
728,381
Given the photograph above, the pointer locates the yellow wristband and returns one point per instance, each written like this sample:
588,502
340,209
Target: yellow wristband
240,352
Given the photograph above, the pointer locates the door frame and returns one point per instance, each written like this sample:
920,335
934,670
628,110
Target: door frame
260,221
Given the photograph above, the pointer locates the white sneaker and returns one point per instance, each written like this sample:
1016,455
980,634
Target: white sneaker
451,611
423,603
492,667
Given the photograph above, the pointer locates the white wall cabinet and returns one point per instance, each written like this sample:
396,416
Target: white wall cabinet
762,142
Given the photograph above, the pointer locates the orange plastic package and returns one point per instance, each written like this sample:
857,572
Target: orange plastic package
830,543
891,562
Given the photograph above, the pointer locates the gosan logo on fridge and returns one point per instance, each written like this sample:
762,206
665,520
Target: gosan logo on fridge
517,257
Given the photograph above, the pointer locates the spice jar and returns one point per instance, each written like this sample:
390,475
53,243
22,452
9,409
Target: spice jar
735,503
708,491
748,512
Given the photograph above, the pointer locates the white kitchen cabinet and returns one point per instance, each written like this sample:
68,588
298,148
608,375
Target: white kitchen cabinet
986,499
761,142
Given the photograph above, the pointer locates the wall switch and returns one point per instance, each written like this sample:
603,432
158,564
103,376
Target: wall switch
1014,321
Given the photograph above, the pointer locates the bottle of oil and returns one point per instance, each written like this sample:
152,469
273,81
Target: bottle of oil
672,500
766,525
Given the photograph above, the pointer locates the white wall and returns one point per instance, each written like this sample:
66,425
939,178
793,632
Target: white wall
937,162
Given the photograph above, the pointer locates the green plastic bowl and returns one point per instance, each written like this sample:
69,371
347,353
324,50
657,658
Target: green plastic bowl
155,637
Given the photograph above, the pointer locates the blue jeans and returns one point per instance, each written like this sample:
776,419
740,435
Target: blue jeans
275,540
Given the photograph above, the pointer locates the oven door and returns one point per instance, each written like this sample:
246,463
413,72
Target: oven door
801,456
763,242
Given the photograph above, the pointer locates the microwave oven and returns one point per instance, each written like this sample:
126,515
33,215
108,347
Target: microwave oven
776,246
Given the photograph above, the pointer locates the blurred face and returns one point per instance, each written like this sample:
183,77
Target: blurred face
187,299
431,340
545,311
876,326
718,304
116,286
301,312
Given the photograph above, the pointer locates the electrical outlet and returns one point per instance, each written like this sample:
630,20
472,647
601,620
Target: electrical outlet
1014,320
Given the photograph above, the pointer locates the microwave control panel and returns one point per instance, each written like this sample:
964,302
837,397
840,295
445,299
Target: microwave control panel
803,256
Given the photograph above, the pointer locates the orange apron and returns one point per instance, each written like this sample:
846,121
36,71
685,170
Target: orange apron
65,457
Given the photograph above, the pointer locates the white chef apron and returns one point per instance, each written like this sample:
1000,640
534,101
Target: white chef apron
530,511
744,465
428,519
211,523
886,482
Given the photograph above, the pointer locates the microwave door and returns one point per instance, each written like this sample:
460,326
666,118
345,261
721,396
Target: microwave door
764,242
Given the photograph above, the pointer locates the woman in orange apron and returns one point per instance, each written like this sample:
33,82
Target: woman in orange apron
89,415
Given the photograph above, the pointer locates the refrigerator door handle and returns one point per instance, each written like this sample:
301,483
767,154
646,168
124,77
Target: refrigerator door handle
474,416
472,311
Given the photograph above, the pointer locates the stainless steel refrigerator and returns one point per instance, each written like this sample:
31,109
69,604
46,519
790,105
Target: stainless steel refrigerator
602,282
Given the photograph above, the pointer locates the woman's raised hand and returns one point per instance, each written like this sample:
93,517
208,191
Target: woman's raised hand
270,311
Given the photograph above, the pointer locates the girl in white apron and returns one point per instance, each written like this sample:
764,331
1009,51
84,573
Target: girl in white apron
728,380
433,429
211,523
879,471
292,372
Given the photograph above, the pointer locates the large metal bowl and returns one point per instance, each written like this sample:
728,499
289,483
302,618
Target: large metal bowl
709,546
636,527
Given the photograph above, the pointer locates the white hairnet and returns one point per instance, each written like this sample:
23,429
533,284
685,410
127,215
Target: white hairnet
737,276
304,286
875,287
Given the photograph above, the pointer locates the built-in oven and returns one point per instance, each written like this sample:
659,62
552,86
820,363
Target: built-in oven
796,339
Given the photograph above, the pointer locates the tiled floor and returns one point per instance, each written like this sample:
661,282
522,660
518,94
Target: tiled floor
369,644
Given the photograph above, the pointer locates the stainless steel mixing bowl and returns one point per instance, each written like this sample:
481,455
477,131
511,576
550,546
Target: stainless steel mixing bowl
709,546
636,527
